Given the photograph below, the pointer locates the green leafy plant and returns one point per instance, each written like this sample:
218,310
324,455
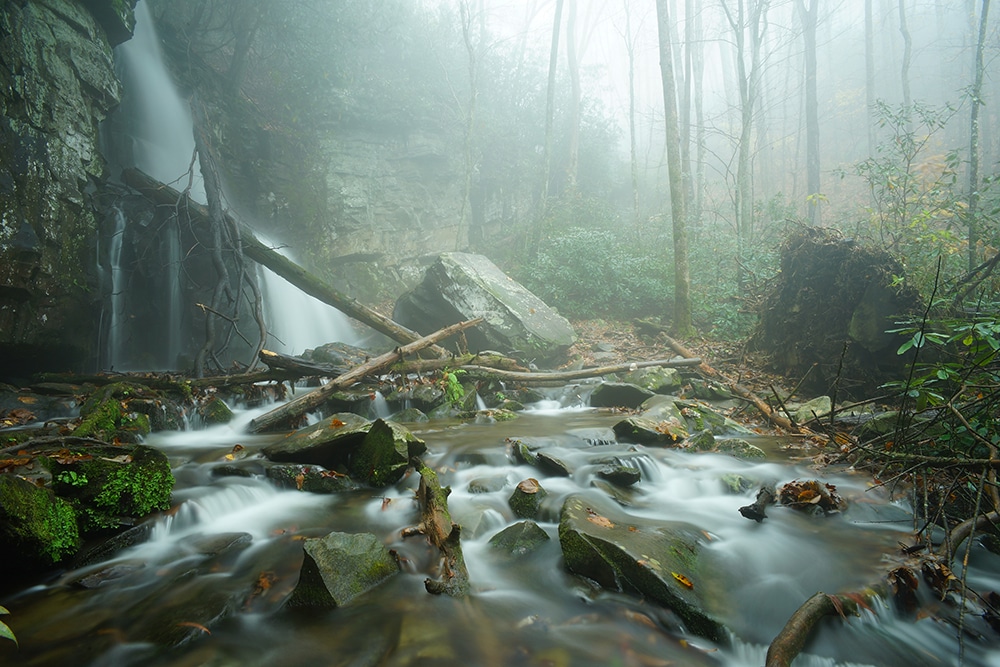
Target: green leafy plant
72,478
5,631
452,386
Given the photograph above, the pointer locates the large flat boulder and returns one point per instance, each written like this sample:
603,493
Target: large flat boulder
339,567
461,286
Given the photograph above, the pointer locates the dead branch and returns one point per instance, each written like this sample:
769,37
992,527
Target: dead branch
563,376
442,532
773,416
792,638
314,399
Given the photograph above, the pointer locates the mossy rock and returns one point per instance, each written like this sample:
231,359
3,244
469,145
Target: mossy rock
658,560
312,479
339,567
739,448
37,528
385,453
700,416
526,500
328,443
106,414
108,485
619,395
658,380
214,410
651,432
519,539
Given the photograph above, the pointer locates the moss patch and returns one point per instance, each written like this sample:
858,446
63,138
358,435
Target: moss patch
36,527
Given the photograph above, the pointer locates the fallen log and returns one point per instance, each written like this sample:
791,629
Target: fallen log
772,416
278,361
442,532
792,638
563,376
755,511
275,261
298,407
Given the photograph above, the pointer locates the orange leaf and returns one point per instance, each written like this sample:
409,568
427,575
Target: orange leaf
299,480
336,423
197,626
682,580
596,519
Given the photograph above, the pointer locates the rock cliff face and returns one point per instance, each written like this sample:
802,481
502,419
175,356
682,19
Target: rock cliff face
57,82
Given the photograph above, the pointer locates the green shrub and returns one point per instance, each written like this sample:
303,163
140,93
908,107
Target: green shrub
589,273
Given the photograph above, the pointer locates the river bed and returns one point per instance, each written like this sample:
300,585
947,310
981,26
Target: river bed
214,575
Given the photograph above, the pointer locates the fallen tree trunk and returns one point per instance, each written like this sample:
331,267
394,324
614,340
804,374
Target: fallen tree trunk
792,638
275,261
312,400
563,376
442,532
772,416
278,361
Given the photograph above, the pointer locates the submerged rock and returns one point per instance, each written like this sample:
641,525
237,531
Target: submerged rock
339,567
659,560
312,479
461,286
519,539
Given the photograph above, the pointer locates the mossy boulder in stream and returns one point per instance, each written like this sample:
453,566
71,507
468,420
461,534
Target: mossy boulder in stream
619,395
106,414
37,528
339,567
385,453
659,560
328,443
109,485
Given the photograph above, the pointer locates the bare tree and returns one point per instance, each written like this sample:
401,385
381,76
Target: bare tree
870,75
808,10
904,30
550,105
976,95
678,213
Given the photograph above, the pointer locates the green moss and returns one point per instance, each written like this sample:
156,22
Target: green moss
36,522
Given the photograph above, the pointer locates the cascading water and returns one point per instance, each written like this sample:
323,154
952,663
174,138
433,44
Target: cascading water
158,139
113,286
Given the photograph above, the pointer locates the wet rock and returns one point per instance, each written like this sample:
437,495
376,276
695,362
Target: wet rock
811,497
814,409
112,574
707,390
327,443
384,454
487,484
526,501
115,544
618,395
594,436
537,452
658,380
410,416
699,416
519,539
110,486
339,567
106,414
620,475
647,431
312,479
37,528
702,441
739,448
213,410
658,560
461,286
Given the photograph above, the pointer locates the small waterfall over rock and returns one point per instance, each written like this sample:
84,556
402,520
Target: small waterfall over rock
151,304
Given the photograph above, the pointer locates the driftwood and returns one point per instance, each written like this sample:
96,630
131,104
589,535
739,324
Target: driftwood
442,532
792,638
755,511
490,360
772,416
275,261
563,376
298,407
285,362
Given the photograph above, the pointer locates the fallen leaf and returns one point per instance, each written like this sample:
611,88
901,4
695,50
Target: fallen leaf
682,580
196,626
596,519
336,423
299,480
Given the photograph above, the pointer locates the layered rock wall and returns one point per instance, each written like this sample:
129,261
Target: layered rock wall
57,82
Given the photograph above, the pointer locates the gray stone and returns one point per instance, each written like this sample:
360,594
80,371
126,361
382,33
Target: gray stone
813,409
462,286
658,380
618,395
385,453
519,539
658,560
339,567
328,443
650,432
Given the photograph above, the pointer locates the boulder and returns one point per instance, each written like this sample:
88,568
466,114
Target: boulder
339,567
385,453
310,478
526,500
519,539
619,395
37,528
462,286
658,560
658,380
327,443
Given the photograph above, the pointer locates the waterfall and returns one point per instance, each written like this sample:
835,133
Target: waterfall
112,286
155,134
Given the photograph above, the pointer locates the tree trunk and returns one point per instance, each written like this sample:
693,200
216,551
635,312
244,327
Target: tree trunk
678,210
870,75
976,94
550,107
807,15
573,62
904,30
633,149
298,407
284,267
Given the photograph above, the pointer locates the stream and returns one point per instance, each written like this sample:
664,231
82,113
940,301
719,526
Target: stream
212,578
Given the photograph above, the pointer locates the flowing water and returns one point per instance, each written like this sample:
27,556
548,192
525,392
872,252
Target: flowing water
212,579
